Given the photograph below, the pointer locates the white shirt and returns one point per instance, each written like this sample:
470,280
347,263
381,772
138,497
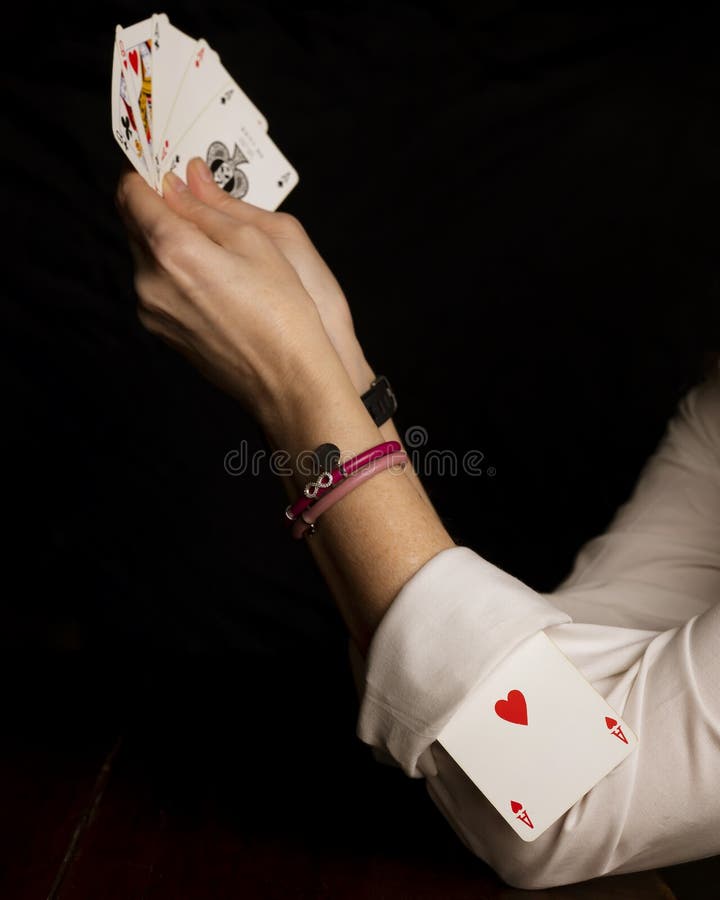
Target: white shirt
639,616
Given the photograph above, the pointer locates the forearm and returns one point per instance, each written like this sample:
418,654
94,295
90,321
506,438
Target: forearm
373,541
214,284
390,433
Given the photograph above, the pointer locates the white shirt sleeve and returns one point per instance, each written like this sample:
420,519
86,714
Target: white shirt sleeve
459,616
449,626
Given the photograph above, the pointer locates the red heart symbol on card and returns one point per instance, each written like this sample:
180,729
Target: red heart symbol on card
611,723
514,709
133,57
515,806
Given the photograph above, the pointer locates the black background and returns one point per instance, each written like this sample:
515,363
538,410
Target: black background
521,206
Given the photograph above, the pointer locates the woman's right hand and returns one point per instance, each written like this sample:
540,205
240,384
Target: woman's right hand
288,234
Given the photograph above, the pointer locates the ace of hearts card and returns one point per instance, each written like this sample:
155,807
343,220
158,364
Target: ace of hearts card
535,736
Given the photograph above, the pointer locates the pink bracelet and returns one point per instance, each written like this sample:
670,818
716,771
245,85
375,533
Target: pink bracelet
326,481
306,521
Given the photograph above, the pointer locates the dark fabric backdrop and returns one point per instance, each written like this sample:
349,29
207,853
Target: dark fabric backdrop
521,205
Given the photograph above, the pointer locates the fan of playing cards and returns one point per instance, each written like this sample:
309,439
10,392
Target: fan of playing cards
173,100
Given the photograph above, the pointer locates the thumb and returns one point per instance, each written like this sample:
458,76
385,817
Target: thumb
201,182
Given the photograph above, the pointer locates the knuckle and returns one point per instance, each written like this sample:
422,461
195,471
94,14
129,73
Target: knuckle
226,203
146,293
121,203
158,238
288,222
121,189
125,183
248,234
287,225
147,320
171,246
120,195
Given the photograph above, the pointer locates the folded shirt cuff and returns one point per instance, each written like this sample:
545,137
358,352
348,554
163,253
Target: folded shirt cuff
448,627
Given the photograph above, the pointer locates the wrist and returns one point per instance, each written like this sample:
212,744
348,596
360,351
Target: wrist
359,370
316,401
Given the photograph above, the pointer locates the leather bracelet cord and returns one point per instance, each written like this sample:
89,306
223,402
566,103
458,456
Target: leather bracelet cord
327,480
306,522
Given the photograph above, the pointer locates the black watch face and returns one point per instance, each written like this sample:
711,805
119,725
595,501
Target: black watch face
380,401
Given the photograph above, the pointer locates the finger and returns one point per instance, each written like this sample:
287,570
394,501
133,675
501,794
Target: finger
163,328
138,250
202,183
144,211
286,232
239,237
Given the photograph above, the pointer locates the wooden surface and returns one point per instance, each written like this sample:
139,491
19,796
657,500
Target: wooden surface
81,823
100,803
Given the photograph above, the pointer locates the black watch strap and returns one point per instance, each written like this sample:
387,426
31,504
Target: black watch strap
380,401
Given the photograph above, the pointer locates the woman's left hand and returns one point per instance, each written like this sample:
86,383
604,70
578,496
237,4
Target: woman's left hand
220,292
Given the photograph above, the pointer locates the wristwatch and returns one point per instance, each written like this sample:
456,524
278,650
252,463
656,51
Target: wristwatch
380,401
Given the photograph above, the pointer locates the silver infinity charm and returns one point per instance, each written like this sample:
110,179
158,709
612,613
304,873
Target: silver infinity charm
313,487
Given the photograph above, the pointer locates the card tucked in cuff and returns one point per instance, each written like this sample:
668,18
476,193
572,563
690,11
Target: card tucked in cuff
450,625
535,736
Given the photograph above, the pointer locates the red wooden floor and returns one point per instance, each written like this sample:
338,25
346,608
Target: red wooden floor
98,804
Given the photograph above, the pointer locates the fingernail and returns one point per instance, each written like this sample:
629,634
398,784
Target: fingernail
177,184
203,171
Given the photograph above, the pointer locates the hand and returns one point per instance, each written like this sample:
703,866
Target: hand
292,240
218,287
220,291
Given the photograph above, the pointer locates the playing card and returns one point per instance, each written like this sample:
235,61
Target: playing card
172,50
125,118
203,78
535,737
134,47
172,99
245,161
